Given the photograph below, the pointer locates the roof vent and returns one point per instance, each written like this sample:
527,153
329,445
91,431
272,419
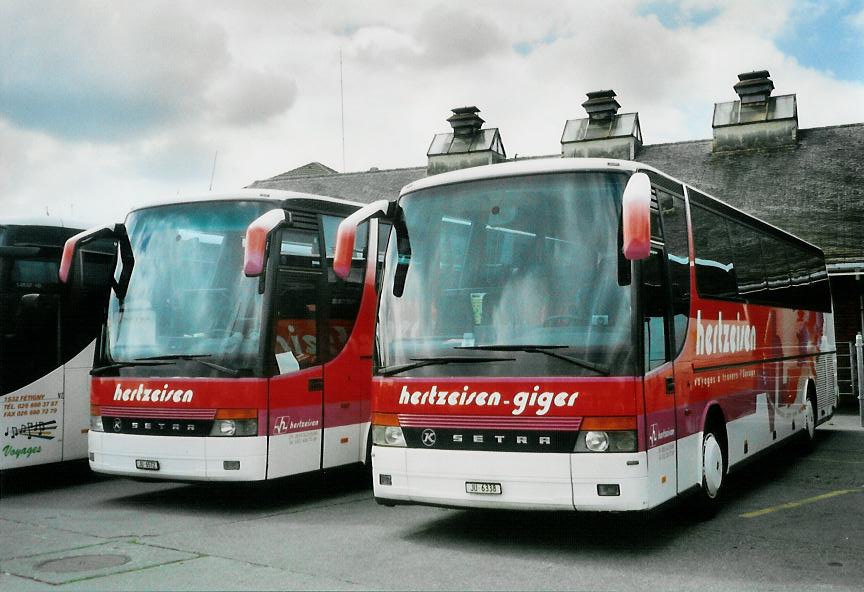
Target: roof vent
468,145
604,133
601,105
756,120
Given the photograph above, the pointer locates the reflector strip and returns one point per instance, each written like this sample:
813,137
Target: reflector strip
151,412
490,423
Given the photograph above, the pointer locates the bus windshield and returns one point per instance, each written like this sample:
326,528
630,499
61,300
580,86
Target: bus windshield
187,295
521,271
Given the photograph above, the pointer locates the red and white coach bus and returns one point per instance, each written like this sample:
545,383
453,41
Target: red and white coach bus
231,351
586,334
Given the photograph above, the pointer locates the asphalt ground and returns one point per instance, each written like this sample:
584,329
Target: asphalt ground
789,522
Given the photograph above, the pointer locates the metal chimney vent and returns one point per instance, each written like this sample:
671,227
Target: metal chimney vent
465,121
604,133
601,105
756,120
468,145
754,87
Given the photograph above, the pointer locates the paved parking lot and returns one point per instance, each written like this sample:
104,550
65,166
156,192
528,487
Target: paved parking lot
790,523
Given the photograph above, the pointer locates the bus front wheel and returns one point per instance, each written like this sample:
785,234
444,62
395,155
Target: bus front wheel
713,473
809,440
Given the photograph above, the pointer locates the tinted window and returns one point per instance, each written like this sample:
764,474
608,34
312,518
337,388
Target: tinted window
749,271
655,302
344,295
715,267
756,265
674,214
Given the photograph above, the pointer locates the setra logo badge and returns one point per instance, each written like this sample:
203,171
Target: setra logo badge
117,424
428,438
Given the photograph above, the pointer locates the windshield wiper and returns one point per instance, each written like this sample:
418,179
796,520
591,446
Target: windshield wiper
196,358
113,365
419,362
543,349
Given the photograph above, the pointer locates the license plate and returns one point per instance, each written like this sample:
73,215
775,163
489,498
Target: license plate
147,465
483,488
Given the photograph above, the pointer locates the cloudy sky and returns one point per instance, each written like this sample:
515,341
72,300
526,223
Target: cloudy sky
105,105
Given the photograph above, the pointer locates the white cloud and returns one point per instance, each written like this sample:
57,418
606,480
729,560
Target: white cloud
260,83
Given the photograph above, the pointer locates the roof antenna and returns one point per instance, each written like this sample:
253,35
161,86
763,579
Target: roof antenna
213,172
342,106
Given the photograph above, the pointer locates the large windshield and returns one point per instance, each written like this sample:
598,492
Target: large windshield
187,294
503,263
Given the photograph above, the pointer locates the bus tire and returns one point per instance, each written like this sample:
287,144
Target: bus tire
709,497
367,469
808,441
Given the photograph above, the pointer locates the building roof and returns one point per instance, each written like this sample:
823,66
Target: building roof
366,186
312,169
813,189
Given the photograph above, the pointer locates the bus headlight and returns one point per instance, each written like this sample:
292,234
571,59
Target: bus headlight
597,441
607,434
600,441
235,427
386,430
96,419
388,436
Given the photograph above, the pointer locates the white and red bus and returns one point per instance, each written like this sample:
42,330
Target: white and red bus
586,334
231,351
47,336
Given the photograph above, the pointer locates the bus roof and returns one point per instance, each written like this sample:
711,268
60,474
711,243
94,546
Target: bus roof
536,166
276,196
46,221
531,166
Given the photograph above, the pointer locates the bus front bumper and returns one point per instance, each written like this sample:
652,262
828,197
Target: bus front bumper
528,481
179,458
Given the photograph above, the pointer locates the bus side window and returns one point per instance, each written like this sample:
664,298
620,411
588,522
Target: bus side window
674,216
298,288
655,303
344,295
383,238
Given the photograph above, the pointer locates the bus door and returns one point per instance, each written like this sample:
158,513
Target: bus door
347,349
659,382
672,212
296,393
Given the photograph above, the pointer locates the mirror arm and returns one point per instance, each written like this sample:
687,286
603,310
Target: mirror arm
403,251
347,233
127,258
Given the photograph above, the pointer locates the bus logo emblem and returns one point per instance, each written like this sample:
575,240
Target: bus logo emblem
117,425
428,437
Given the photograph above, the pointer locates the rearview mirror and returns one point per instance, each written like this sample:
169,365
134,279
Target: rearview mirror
636,218
256,240
116,233
347,233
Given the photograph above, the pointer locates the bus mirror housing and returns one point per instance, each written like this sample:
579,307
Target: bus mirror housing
72,245
636,217
347,233
257,235
117,233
